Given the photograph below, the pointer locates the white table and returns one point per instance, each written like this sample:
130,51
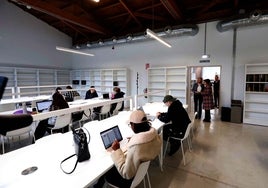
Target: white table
48,152
24,100
154,107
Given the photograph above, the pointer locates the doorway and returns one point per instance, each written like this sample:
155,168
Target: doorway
206,72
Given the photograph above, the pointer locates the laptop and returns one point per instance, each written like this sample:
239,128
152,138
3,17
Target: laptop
108,136
105,96
43,105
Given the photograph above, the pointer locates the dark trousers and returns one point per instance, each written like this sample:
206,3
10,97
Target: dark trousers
114,178
207,115
216,99
198,101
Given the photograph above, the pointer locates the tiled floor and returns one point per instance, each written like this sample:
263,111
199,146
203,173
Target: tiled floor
224,155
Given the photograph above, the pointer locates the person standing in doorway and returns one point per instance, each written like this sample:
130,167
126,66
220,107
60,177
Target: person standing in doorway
216,89
198,87
207,99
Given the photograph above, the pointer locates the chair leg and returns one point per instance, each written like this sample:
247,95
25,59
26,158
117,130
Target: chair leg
148,179
166,147
182,150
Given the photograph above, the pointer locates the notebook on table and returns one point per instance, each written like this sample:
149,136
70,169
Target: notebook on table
108,136
43,105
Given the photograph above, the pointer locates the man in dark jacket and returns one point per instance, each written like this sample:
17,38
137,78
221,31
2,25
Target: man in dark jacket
179,121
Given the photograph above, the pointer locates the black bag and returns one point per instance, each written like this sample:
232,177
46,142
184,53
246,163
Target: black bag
81,147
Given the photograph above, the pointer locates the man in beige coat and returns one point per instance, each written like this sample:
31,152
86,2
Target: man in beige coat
143,146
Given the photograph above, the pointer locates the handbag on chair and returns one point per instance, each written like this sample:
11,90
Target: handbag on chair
81,147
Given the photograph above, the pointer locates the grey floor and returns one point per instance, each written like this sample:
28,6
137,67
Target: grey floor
224,155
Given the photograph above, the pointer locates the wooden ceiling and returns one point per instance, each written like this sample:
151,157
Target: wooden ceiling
87,21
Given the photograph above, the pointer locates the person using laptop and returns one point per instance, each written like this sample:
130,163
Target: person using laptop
143,146
58,102
117,93
70,94
179,119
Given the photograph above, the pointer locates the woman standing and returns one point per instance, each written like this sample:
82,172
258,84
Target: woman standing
207,100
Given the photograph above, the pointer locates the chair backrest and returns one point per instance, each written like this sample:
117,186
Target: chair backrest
105,109
141,173
117,108
62,121
86,115
13,122
187,132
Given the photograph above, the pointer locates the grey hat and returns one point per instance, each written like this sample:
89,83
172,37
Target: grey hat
169,98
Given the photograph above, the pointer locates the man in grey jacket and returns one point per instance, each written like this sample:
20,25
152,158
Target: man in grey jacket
143,146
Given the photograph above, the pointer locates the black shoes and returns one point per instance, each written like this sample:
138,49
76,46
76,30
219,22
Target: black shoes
206,120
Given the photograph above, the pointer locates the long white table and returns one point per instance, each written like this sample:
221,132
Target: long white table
48,152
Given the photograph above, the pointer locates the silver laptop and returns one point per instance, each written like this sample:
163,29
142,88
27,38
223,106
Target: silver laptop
43,105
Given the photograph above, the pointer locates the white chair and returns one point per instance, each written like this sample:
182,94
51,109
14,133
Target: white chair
142,172
117,108
86,116
15,126
104,112
186,137
61,121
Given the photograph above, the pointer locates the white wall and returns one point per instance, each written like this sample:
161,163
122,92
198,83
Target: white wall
26,40
185,51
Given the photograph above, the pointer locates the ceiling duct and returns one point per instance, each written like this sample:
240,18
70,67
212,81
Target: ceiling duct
187,30
255,18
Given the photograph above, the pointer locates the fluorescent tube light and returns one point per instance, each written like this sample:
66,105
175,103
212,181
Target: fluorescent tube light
154,35
205,56
73,51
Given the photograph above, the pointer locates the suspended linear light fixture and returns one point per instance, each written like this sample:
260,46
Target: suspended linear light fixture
73,51
154,35
205,55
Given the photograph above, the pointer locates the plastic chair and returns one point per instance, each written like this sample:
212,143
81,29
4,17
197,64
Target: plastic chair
61,121
85,117
140,176
104,112
186,137
15,126
117,108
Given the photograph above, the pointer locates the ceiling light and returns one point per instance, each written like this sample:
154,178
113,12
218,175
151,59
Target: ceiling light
205,55
96,1
73,51
154,35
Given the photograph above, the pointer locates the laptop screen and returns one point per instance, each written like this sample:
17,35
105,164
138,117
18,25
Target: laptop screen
43,105
105,95
108,136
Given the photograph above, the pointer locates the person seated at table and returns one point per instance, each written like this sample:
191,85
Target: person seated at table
143,146
117,93
91,93
179,121
70,94
58,102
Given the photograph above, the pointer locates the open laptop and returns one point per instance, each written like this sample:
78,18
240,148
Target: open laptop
105,96
43,105
108,136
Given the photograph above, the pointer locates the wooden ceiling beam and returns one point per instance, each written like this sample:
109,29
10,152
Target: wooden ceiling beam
130,12
61,15
172,8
